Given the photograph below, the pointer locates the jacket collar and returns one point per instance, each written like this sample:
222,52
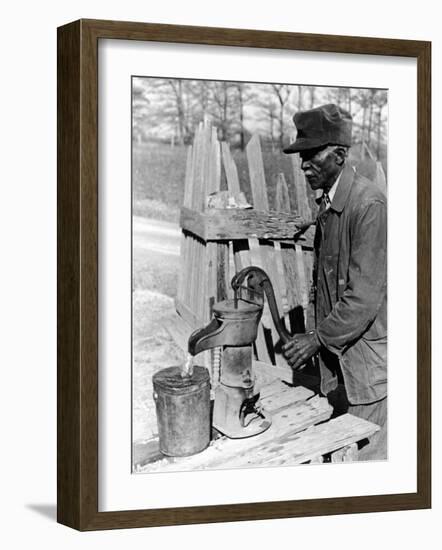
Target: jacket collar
343,189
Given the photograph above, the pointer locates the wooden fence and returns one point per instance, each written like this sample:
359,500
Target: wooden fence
218,241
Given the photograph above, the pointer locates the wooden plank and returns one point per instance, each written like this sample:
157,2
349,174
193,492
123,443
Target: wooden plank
282,199
346,454
265,369
232,223
241,254
226,452
196,272
306,237
191,268
302,203
281,275
289,259
365,150
194,179
180,331
145,452
184,250
212,269
196,159
380,178
196,276
205,166
269,261
289,263
187,314
200,173
261,256
282,204
214,183
254,224
194,222
230,170
258,258
309,308
257,174
189,256
184,295
223,270
224,288
283,399
317,460
242,258
269,386
301,277
316,441
214,167
188,182
148,451
182,268
202,282
267,251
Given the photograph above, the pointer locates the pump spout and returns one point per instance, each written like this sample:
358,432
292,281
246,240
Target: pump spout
208,337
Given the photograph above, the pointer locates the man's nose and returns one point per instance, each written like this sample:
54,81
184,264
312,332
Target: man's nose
305,164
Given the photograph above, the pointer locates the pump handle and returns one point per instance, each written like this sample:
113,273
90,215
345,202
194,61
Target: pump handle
258,281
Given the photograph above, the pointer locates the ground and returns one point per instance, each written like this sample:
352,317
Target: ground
155,269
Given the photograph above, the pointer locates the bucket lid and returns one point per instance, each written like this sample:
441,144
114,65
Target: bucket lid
171,380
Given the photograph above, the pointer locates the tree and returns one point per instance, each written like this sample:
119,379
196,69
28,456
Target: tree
244,96
381,101
223,106
140,108
282,94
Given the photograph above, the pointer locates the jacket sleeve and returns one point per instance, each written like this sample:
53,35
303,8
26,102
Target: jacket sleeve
366,279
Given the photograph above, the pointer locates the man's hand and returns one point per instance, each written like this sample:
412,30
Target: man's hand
300,348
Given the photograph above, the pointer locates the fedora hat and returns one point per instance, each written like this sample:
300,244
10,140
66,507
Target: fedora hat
324,125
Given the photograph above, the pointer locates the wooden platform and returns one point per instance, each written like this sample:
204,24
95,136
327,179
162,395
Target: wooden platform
301,432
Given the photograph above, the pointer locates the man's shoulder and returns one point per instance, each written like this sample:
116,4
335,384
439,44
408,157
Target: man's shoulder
365,190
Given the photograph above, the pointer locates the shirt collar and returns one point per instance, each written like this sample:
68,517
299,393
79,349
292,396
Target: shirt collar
333,188
342,191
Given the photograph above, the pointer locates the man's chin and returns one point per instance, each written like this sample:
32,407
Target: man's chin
314,184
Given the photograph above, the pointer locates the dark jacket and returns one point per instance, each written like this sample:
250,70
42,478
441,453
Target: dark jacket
351,289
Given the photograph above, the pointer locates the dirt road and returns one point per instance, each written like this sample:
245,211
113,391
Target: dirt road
156,250
156,235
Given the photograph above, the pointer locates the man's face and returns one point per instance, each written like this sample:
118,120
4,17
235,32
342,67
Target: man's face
320,166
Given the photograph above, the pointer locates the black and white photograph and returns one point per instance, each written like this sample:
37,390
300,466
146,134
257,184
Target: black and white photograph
259,274
205,208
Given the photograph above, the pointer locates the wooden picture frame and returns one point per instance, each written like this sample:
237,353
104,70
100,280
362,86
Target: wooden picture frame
77,224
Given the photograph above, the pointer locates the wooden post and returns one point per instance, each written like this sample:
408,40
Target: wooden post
266,252
380,178
213,186
302,203
230,170
241,248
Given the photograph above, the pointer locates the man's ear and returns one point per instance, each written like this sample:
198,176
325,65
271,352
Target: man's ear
341,155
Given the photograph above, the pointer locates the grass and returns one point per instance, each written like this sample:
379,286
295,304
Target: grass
155,272
159,175
158,180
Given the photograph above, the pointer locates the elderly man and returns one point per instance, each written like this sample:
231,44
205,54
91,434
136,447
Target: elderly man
350,276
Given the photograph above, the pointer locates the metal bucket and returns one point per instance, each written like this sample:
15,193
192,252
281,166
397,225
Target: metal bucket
183,410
